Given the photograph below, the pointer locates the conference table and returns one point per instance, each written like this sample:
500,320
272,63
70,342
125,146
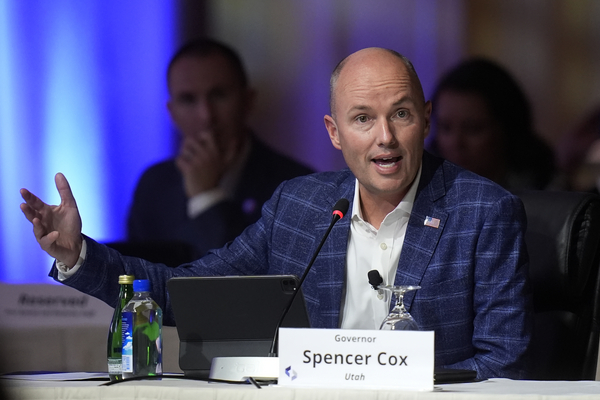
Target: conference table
93,386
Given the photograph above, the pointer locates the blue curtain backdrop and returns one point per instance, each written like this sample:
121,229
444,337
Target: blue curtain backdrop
82,91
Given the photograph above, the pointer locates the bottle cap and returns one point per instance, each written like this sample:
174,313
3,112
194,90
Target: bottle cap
126,279
141,285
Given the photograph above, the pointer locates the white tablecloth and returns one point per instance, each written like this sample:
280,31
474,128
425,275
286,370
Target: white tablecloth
187,389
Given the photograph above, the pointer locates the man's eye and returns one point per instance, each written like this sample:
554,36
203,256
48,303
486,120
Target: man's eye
402,114
362,118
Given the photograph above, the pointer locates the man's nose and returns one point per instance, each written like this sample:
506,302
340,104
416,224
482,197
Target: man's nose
386,134
204,112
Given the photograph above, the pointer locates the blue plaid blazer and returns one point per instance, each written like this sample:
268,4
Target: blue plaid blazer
472,268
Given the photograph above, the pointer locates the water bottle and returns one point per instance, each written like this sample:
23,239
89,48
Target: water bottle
142,334
115,333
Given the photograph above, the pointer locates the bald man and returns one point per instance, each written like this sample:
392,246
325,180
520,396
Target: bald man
417,219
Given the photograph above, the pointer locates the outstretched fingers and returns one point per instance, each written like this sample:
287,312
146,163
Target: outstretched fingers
57,229
64,190
31,201
29,212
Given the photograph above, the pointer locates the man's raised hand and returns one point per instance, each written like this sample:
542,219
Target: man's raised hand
57,229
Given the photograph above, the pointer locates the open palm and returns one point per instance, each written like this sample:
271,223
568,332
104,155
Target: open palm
57,229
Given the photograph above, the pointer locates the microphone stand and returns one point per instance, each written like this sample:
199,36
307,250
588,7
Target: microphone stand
334,219
243,368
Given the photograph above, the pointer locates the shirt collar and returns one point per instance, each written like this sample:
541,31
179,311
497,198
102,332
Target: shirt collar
405,205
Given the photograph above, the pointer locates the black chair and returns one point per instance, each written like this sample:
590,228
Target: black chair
563,240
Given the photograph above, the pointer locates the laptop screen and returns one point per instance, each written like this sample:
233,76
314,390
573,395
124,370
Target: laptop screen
231,316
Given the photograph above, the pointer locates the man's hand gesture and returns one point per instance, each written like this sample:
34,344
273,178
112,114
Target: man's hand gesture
56,228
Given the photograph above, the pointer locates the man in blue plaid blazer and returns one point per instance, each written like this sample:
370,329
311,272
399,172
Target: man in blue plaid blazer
462,240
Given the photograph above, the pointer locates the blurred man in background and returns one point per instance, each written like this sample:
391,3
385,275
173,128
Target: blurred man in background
222,174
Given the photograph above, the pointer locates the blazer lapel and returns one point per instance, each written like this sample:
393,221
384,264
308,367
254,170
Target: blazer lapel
425,226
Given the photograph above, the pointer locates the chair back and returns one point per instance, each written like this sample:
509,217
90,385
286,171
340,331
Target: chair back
563,241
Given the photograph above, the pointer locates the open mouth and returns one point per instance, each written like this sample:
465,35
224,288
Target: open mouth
386,162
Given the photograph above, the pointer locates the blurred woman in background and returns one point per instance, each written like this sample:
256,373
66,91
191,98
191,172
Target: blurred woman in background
482,121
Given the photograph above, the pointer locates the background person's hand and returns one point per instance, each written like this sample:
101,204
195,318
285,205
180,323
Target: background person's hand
203,163
57,229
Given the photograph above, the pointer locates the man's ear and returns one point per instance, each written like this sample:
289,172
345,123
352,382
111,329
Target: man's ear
333,131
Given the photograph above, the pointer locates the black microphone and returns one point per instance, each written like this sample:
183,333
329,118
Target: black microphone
375,278
339,210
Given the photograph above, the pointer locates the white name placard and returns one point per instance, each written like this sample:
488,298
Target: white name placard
356,358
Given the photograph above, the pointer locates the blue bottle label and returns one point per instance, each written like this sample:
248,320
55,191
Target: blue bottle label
127,349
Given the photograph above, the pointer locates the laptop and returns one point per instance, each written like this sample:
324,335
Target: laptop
231,316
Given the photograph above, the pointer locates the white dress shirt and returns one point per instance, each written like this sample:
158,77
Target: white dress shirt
368,249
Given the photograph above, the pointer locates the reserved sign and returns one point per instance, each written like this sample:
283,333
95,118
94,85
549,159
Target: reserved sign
370,359
36,305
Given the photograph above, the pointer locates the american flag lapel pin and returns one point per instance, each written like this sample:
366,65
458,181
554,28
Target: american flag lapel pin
433,222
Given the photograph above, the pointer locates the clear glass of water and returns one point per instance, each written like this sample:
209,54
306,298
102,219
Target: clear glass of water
399,319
